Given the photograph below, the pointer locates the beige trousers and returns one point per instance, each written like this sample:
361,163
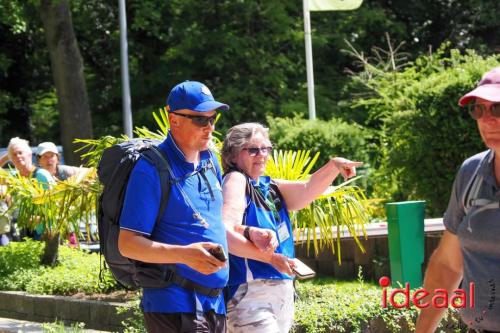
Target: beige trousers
261,306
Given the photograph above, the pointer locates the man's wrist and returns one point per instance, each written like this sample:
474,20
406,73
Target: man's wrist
270,258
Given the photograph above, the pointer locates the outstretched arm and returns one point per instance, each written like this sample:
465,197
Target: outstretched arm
72,170
299,194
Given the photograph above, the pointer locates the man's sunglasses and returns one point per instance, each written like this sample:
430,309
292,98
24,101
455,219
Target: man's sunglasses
201,121
477,111
264,151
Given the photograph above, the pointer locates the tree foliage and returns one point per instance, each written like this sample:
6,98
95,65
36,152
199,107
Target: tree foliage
331,138
250,53
424,134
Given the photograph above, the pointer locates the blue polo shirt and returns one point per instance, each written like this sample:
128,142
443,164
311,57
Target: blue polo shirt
177,225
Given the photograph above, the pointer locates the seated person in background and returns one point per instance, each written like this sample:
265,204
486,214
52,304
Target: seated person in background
20,154
48,159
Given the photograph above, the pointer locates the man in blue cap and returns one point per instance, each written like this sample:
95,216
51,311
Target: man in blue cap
191,225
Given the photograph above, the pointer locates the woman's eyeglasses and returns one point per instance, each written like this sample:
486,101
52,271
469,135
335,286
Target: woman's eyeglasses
477,111
253,151
200,121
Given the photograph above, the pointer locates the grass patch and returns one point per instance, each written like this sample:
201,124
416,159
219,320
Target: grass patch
59,327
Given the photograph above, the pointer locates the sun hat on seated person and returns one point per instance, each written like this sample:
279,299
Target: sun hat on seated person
488,88
46,147
193,96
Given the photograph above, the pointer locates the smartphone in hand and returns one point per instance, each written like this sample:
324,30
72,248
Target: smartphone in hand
302,271
218,252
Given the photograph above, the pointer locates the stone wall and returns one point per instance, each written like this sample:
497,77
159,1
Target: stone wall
98,315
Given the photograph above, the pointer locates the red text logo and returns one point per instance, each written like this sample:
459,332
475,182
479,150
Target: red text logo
457,298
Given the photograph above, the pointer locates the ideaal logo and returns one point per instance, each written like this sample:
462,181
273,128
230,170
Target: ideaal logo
440,299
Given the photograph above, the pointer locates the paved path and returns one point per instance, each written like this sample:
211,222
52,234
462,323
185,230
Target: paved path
8,325
12,325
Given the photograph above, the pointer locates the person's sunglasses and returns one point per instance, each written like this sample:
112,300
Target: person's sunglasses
201,121
477,111
253,151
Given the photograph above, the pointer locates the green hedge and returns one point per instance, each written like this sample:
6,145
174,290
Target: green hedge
331,138
329,306
77,271
423,134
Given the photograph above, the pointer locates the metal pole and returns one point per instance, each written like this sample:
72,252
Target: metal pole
127,111
309,61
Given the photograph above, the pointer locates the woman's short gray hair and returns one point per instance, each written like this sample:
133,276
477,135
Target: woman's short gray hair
235,140
24,144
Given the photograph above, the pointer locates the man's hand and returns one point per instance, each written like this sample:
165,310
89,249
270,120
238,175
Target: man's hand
264,239
282,263
197,257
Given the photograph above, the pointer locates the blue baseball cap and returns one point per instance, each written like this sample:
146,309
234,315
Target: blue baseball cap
193,96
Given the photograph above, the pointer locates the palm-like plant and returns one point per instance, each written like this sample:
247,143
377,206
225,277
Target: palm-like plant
56,211
339,209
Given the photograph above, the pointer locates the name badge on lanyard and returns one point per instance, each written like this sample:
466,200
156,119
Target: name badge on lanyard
283,233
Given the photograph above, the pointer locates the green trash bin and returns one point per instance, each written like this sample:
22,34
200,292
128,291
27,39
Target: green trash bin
406,242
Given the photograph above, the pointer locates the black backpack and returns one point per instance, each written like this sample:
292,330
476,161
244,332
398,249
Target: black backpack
115,166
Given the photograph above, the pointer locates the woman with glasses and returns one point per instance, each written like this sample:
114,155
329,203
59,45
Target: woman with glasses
261,291
468,256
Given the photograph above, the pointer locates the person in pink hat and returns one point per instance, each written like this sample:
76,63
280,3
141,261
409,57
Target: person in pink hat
468,256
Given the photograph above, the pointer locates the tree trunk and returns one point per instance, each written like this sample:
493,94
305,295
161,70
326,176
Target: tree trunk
51,250
67,71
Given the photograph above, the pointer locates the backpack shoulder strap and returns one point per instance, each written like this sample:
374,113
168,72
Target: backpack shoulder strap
159,159
210,165
470,196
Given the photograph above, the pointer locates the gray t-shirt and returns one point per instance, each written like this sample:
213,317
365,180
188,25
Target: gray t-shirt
479,235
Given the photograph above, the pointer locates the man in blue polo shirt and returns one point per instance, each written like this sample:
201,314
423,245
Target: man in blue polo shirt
192,222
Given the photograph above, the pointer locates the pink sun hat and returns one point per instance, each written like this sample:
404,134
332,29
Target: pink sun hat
488,88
